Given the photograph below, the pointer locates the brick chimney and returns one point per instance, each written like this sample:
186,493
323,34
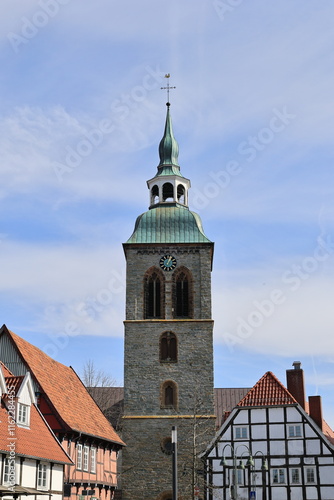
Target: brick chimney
295,383
315,410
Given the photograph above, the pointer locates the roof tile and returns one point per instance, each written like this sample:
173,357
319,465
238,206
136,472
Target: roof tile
66,392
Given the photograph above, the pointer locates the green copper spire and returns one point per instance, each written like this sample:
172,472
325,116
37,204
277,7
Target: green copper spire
168,147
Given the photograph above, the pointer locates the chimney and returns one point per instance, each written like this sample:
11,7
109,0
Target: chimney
315,410
295,383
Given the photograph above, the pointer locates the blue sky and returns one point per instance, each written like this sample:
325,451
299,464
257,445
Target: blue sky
81,118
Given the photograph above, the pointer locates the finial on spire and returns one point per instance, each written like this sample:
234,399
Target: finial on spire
168,88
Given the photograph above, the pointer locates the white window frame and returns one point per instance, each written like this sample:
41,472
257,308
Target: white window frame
295,475
79,456
42,476
85,458
281,475
93,460
295,431
23,414
241,432
9,471
310,468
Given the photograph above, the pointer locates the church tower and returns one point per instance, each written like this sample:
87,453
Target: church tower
168,353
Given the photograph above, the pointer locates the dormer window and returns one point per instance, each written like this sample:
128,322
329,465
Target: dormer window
23,414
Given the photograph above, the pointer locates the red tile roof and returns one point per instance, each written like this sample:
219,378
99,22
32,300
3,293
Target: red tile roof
37,441
14,382
66,392
268,391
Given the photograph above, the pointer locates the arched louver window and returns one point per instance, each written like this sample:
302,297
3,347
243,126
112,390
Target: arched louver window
167,192
155,195
169,395
154,294
181,194
168,347
182,294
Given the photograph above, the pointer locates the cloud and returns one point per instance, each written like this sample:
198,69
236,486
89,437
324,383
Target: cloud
66,284
290,315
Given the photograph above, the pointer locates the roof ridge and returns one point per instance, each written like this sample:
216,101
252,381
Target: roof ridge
60,384
268,391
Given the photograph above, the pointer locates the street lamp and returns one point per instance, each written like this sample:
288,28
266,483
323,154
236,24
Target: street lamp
236,466
174,465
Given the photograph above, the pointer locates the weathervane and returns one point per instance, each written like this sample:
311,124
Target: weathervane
167,75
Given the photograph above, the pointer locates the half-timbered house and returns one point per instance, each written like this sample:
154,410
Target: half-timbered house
85,434
272,446
32,460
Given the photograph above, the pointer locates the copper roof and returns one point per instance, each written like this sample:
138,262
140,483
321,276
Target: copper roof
66,392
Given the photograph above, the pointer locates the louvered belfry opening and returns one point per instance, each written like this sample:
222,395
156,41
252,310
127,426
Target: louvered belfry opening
153,293
182,295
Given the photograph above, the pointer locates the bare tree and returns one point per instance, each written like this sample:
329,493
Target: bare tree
102,387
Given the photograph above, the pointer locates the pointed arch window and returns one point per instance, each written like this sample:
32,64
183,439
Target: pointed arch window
168,192
182,294
154,295
169,395
168,347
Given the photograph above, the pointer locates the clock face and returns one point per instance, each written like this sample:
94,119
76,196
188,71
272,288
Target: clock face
168,262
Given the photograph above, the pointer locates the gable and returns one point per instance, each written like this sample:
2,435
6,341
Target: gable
62,387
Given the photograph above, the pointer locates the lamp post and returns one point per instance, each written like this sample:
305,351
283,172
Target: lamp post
250,464
264,468
174,465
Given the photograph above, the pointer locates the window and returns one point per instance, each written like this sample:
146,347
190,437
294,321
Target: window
180,194
168,192
85,457
295,476
166,445
9,471
278,476
79,456
93,460
240,476
42,477
295,431
310,475
169,395
154,195
153,295
240,433
168,347
182,294
23,414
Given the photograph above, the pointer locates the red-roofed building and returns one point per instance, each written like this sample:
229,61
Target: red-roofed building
273,445
84,432
32,459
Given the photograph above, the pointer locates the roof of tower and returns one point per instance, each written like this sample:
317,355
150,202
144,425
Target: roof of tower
168,150
168,224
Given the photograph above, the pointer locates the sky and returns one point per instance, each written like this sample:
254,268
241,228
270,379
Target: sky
81,117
